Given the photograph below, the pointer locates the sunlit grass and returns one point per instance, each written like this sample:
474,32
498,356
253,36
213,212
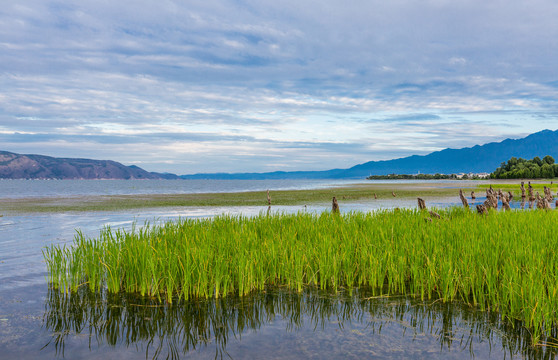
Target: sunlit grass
504,262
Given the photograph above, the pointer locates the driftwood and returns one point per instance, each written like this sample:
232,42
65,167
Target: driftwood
334,206
522,187
434,214
421,204
473,195
481,209
268,198
463,199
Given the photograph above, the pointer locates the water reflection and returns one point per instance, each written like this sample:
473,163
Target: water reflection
172,331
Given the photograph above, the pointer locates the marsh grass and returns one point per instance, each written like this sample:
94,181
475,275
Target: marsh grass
355,192
504,262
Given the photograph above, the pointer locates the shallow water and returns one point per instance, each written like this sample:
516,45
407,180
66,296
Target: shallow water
36,322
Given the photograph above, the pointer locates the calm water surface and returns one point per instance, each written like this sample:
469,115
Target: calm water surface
36,322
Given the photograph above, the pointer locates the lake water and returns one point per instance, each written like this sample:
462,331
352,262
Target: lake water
36,322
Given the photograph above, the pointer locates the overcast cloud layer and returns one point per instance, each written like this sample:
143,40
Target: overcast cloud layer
236,86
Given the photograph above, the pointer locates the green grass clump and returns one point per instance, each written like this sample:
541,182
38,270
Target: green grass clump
504,262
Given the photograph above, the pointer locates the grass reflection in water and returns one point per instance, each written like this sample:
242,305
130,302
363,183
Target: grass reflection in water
183,327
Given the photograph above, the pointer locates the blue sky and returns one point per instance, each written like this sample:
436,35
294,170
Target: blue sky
255,86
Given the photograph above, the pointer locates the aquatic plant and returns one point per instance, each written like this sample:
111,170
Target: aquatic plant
503,262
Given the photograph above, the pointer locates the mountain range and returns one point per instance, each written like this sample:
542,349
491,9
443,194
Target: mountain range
479,158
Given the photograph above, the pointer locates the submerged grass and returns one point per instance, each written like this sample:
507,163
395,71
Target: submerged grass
503,262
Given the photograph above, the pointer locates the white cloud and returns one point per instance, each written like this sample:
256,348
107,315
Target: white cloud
215,82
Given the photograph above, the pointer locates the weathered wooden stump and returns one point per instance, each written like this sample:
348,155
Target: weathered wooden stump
505,203
481,209
463,199
268,198
473,195
546,204
510,196
530,191
539,203
334,206
421,204
548,194
522,187
434,214
491,200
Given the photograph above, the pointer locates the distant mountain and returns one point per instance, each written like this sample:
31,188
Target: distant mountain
479,158
17,166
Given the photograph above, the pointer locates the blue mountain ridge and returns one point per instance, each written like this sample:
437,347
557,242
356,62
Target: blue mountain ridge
479,158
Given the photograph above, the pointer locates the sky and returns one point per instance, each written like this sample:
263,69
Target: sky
256,86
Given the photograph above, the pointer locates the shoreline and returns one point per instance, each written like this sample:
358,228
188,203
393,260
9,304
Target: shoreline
429,190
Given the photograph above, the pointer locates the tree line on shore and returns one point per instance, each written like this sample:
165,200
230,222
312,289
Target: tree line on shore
518,168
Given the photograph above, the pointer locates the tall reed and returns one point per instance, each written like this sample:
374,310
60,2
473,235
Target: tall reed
504,262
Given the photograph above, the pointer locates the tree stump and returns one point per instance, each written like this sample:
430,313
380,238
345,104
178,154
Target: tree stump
550,196
421,204
505,203
481,209
463,199
522,187
473,195
540,203
510,196
530,191
546,204
334,206
268,198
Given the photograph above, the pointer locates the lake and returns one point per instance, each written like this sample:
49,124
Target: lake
37,322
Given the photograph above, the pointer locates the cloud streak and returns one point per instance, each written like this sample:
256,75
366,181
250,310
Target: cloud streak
258,85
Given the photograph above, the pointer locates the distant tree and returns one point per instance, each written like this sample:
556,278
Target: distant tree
547,172
537,160
548,160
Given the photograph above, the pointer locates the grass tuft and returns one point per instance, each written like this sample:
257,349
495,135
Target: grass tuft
504,262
